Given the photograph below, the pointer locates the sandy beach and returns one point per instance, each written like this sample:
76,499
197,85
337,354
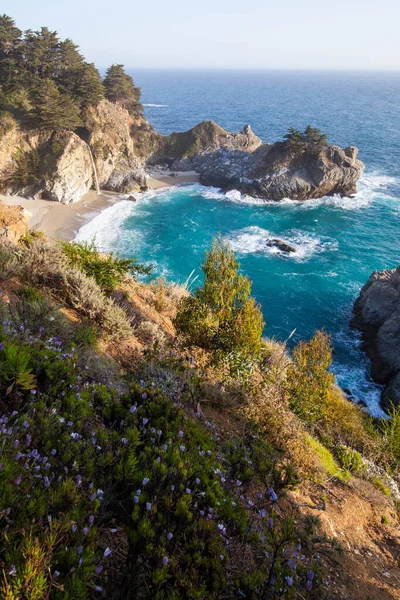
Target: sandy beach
64,220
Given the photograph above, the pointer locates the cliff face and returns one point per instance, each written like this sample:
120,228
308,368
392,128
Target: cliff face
58,166
377,316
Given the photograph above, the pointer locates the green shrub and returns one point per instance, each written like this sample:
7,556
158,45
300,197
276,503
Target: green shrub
107,270
308,380
326,458
9,264
378,483
222,317
350,459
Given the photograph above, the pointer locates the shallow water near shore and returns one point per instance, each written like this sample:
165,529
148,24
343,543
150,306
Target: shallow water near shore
338,242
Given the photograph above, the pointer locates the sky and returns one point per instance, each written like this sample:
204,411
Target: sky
223,34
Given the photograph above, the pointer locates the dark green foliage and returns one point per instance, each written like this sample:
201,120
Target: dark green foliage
44,81
54,110
222,317
90,86
10,54
311,140
120,88
26,171
107,270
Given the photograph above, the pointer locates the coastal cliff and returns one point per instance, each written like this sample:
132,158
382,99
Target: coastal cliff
58,165
377,316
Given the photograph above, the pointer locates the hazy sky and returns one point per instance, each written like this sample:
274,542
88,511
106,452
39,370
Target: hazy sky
253,34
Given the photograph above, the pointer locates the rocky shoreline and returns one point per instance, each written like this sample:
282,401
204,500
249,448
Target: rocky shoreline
117,151
377,316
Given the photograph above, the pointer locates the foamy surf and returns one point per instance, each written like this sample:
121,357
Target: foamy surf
156,105
253,240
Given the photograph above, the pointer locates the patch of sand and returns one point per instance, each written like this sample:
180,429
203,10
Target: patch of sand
63,221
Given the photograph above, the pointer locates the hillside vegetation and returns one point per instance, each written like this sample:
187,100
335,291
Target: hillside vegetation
153,445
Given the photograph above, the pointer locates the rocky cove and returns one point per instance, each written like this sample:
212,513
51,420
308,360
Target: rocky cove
125,147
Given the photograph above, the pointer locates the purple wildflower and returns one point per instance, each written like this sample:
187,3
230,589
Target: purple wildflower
170,536
107,552
165,561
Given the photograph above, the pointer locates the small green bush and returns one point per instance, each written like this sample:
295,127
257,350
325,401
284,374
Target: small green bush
107,270
378,483
350,459
308,380
222,317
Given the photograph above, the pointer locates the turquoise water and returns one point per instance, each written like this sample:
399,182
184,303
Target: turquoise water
338,242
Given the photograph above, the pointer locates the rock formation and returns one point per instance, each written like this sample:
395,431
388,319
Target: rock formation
58,165
14,223
271,172
377,316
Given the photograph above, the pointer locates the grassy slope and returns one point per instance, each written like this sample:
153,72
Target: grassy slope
146,358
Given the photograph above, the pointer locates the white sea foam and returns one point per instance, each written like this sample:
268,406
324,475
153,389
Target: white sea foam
252,240
105,227
156,105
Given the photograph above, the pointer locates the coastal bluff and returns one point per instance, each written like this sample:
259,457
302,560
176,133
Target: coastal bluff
115,150
377,316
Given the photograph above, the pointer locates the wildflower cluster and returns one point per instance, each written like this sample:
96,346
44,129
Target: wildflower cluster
89,466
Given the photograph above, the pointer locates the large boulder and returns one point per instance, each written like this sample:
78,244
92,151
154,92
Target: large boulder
68,172
377,316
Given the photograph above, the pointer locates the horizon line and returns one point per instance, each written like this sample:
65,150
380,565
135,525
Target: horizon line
264,69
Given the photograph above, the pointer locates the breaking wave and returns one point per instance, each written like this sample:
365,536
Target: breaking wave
253,240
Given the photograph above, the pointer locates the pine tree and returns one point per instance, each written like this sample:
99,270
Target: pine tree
10,54
90,87
42,53
54,110
70,67
121,89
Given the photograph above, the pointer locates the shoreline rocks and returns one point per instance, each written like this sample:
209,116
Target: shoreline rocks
377,316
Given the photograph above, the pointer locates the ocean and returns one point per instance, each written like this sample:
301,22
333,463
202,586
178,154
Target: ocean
339,242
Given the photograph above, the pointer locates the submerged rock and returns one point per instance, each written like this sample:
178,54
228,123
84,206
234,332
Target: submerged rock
377,316
281,245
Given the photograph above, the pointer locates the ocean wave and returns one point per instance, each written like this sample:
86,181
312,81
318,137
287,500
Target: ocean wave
105,227
252,240
156,105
